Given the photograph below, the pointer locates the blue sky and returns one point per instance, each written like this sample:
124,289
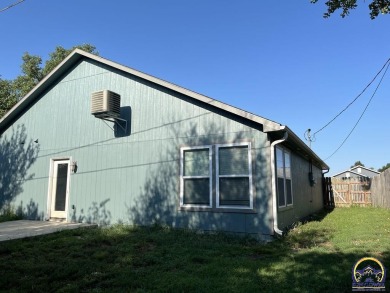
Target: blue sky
278,59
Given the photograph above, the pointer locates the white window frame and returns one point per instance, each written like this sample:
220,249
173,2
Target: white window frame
182,177
249,175
284,151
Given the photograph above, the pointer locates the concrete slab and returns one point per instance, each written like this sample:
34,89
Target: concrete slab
24,228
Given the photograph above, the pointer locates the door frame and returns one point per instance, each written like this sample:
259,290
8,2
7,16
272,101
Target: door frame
50,192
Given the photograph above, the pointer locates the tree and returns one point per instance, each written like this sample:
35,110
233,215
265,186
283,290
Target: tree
357,163
32,73
376,7
7,98
387,166
60,54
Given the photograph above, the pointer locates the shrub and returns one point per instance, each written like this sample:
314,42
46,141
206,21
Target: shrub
9,213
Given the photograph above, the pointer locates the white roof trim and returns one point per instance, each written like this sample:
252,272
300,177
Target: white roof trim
368,169
268,125
349,171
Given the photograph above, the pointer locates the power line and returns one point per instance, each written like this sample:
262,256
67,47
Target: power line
354,100
12,5
349,134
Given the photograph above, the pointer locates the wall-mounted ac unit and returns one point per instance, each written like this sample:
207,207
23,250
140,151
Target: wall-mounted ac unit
105,104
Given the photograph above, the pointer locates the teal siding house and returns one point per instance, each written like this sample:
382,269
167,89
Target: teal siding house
99,142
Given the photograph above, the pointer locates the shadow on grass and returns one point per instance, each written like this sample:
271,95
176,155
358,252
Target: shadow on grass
166,260
298,238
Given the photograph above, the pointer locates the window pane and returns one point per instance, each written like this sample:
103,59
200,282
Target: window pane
62,179
281,199
234,191
287,163
279,162
196,162
289,191
233,160
197,191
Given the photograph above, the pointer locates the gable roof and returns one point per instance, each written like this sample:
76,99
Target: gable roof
352,172
368,169
78,55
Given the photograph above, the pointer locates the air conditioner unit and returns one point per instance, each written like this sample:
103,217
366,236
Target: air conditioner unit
105,104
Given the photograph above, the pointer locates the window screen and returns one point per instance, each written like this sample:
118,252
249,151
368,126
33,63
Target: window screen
283,171
234,176
281,197
233,161
196,177
234,191
197,191
196,162
289,192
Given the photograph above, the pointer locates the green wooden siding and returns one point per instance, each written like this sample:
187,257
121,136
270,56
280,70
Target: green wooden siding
307,199
135,178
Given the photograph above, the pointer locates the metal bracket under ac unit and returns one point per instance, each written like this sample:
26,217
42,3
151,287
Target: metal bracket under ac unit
122,123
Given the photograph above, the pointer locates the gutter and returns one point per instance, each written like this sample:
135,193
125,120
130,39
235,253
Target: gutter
274,196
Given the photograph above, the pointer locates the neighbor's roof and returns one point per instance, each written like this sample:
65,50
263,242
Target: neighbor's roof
368,169
77,55
352,172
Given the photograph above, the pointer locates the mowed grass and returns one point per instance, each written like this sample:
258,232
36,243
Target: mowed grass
314,257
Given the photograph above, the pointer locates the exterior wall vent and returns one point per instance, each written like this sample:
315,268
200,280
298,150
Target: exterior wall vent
105,104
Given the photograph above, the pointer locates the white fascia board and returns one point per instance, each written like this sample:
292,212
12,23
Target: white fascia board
268,125
352,172
77,54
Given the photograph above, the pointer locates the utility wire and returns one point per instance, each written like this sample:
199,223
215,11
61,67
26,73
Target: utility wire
363,111
386,63
12,5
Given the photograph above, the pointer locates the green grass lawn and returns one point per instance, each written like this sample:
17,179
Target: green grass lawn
314,257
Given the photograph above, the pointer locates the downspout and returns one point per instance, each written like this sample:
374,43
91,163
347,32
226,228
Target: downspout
324,189
274,197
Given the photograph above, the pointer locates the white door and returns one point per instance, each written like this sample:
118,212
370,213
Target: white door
60,189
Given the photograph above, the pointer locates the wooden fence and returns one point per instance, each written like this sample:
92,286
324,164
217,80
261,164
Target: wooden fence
328,193
380,188
349,192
